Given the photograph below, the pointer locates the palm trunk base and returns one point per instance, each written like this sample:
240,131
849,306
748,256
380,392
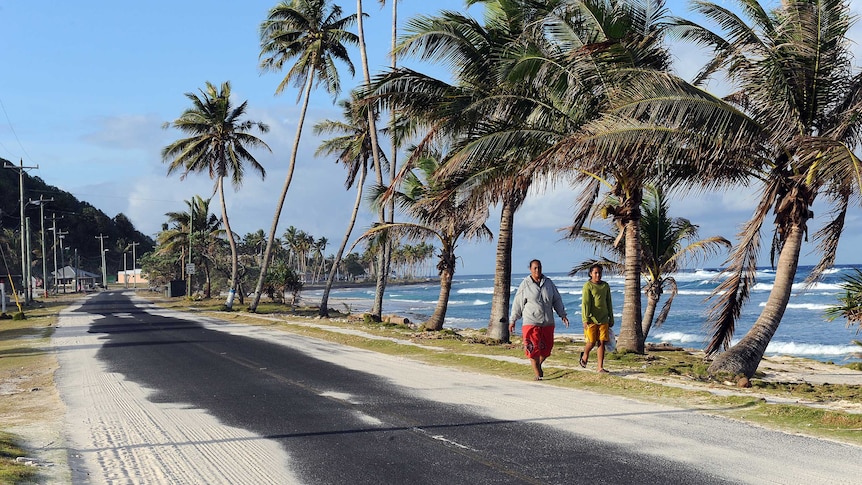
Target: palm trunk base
736,361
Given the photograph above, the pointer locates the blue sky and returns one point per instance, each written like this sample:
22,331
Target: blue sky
87,85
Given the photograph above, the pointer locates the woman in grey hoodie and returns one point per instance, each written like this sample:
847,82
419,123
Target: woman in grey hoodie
536,301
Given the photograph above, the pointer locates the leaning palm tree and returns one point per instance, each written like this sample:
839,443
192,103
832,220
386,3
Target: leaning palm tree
314,33
354,149
792,67
440,213
666,244
218,144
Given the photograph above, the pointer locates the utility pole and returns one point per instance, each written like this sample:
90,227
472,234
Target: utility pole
101,237
62,235
28,273
134,265
21,169
53,229
41,204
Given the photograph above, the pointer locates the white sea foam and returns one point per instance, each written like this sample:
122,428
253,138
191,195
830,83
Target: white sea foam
681,337
465,322
805,306
793,348
481,291
801,288
480,302
695,292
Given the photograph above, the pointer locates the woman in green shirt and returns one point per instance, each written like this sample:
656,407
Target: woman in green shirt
598,316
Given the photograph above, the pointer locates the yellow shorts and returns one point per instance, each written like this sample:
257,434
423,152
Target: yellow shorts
595,332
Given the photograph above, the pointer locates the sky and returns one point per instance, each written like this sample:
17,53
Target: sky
87,86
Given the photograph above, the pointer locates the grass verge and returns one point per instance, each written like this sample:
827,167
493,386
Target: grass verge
28,396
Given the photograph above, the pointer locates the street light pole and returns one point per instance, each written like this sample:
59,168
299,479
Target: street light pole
134,265
101,237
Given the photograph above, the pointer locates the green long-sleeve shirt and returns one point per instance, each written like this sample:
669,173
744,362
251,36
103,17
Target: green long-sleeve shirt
596,306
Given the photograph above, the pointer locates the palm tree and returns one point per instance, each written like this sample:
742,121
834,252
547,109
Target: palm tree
850,304
204,240
218,144
383,258
666,243
316,35
440,213
354,149
482,99
794,78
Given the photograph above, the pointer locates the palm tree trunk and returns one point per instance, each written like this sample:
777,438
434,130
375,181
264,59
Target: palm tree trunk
208,283
435,323
631,333
744,357
383,266
498,326
649,314
234,259
274,227
323,310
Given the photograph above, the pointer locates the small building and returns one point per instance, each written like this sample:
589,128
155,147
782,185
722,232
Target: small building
132,278
67,276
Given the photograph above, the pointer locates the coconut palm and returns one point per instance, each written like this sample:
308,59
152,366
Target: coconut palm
204,240
440,214
666,244
850,304
218,144
313,32
481,99
794,77
383,255
354,149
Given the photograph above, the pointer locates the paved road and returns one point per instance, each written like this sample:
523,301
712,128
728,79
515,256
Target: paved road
163,397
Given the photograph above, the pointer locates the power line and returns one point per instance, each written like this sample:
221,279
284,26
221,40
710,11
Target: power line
12,128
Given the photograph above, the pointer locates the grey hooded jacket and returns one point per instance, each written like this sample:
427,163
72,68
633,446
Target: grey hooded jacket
536,303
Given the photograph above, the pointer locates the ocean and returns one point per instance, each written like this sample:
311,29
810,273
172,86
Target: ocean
804,331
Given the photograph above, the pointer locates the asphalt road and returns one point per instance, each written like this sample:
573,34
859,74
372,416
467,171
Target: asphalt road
341,423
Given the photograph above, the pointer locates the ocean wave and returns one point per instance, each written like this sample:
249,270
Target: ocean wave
681,337
805,306
800,287
465,322
794,348
480,302
695,292
481,291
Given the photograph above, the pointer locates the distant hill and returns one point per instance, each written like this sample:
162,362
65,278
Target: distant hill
79,219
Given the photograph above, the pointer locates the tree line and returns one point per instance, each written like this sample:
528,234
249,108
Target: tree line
578,91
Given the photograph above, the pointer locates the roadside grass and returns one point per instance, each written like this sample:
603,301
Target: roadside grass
10,470
27,392
674,378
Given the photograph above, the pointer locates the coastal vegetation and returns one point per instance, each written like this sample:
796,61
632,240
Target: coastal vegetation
583,91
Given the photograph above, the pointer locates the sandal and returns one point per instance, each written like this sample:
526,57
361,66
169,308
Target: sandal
603,371
582,361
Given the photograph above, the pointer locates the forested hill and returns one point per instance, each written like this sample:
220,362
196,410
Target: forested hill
80,221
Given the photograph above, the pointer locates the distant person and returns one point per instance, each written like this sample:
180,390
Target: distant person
598,316
536,300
